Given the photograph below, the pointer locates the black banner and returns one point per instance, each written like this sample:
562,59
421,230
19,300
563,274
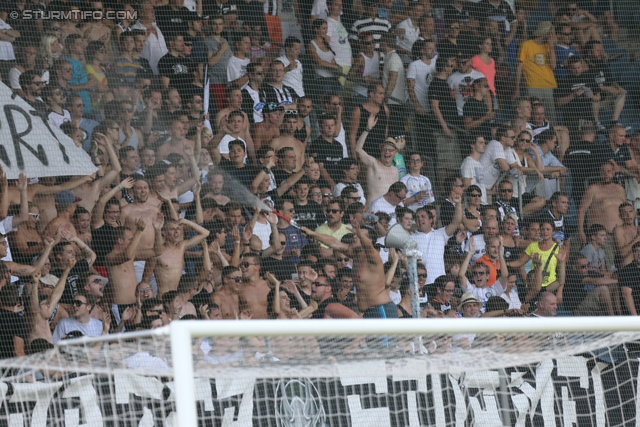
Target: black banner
580,391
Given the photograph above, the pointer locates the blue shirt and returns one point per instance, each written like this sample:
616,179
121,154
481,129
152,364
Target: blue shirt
562,54
80,77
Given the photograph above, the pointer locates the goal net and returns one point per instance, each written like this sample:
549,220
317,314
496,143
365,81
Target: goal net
496,379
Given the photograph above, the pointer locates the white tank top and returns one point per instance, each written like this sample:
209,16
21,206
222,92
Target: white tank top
327,56
371,68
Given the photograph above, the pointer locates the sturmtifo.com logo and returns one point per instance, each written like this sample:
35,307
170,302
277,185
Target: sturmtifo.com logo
67,15
299,405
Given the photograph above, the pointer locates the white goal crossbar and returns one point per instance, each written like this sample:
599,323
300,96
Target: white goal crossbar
182,333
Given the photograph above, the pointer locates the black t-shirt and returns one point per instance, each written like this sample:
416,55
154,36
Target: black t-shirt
281,268
173,21
309,215
501,13
629,277
243,176
582,162
210,8
477,109
72,286
447,49
328,153
601,74
452,14
177,69
13,325
281,175
102,241
580,106
440,91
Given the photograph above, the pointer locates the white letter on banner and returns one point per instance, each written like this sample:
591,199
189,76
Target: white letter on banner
41,393
141,386
543,392
598,392
488,381
379,417
82,387
438,402
461,404
232,387
421,386
570,367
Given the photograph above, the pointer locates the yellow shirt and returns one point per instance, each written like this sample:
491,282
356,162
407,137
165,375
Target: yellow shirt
535,65
549,276
338,234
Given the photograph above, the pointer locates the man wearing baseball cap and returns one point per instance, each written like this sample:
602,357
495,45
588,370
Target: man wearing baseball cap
66,204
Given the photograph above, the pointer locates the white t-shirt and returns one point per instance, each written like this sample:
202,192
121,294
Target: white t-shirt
393,63
461,85
381,205
421,73
416,184
489,162
484,294
93,328
263,231
512,298
293,78
410,35
431,246
320,9
339,42
236,68
6,227
6,48
480,247
473,169
59,119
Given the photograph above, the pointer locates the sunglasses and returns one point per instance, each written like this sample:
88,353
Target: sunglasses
345,259
319,284
236,279
506,190
327,195
334,211
475,195
291,112
78,303
524,140
158,311
245,264
422,276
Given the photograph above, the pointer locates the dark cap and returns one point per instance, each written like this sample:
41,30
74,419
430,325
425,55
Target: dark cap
66,198
272,106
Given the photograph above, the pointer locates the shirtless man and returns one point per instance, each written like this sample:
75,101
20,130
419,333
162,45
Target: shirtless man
82,222
229,130
131,213
66,204
234,101
227,296
41,194
265,131
287,139
90,191
369,278
172,186
216,184
627,234
381,173
170,263
254,290
601,201
177,143
121,289
96,30
41,307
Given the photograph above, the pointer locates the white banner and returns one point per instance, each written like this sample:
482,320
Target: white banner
33,146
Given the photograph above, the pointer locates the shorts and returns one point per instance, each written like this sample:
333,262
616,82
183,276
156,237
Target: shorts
448,152
385,311
590,306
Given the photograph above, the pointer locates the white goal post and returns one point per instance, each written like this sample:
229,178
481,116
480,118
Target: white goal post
183,332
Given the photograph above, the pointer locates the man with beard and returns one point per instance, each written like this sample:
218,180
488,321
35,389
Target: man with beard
626,235
227,296
329,307
31,83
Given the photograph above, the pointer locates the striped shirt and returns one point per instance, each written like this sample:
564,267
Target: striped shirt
377,26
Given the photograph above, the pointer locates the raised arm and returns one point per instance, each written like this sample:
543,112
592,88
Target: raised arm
117,258
55,296
330,241
295,177
275,237
462,274
97,216
534,289
27,270
585,204
504,270
195,172
203,233
86,251
457,216
373,257
24,202
366,159
393,257
116,168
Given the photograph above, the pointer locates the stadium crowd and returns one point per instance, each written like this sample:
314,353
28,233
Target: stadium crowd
501,143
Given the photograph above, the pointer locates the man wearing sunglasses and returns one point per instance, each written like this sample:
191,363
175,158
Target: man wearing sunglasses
254,289
81,319
32,84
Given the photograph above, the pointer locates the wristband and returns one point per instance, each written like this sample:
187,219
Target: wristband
367,130
266,170
120,187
